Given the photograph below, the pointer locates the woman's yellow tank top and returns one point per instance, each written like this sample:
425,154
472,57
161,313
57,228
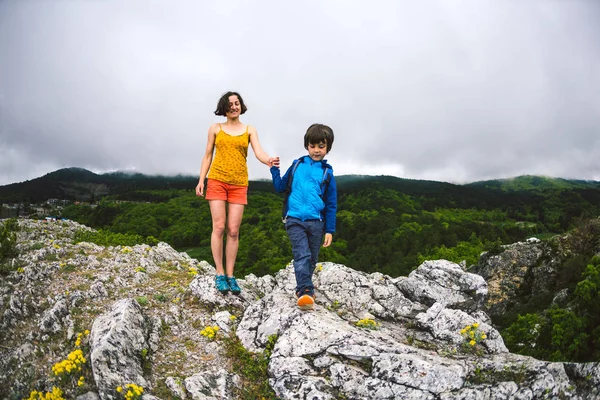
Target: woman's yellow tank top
229,164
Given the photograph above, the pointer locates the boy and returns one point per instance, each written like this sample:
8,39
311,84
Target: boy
309,207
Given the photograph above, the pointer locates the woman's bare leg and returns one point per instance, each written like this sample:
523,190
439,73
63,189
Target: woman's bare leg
217,212
235,212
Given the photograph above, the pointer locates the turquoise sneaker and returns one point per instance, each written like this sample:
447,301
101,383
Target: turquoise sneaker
221,284
235,289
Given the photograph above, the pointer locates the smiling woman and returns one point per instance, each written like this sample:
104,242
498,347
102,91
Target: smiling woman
227,184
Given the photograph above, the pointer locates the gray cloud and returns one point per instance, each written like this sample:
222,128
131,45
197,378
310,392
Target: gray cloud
429,90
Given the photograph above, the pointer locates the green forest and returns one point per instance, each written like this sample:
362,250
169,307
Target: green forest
384,224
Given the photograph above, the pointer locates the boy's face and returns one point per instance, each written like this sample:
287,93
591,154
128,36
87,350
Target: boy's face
317,151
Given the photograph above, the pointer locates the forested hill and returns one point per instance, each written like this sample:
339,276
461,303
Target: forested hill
78,184
384,223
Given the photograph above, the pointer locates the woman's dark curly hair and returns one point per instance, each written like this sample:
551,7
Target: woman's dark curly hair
223,104
317,133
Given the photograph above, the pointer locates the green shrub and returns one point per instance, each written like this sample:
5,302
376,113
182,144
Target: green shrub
8,244
160,297
251,367
142,300
563,334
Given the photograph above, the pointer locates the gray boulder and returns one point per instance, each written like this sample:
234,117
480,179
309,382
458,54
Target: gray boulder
118,340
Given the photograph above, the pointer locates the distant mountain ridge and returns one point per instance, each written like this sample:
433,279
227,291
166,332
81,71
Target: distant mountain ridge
79,184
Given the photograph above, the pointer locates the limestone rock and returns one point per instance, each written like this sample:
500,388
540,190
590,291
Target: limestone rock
445,281
117,341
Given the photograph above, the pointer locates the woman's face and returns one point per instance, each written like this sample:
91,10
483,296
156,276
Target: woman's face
235,108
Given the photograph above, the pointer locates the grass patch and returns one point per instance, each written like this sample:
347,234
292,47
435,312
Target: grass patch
481,375
142,300
160,297
36,246
51,257
252,368
68,268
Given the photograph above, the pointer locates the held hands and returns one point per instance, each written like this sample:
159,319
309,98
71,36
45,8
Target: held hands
200,188
328,239
273,162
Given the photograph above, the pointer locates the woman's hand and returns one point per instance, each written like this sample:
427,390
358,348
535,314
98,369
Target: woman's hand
274,162
328,239
200,188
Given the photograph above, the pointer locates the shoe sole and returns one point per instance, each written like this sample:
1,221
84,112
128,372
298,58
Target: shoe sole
305,304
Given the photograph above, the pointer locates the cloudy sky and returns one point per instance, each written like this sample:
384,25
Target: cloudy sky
454,91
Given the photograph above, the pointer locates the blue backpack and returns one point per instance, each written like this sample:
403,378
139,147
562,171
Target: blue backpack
324,184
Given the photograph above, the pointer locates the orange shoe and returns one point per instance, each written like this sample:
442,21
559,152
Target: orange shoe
314,295
306,302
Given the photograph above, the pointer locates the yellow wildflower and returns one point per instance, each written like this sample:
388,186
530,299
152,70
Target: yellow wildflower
367,323
210,332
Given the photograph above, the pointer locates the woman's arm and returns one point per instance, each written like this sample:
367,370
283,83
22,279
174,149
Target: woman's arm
207,159
258,151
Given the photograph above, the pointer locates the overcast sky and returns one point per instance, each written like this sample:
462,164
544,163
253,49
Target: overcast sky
454,91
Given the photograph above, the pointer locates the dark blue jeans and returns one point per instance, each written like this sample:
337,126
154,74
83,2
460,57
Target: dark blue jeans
306,238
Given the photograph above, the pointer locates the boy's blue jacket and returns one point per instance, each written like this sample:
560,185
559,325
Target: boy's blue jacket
306,201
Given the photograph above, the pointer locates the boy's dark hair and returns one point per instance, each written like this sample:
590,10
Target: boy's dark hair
317,133
223,104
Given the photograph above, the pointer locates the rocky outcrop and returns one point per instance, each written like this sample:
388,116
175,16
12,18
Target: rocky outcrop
155,321
117,341
508,273
534,269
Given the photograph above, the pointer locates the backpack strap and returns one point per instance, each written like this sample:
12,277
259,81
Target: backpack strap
292,172
325,181
288,190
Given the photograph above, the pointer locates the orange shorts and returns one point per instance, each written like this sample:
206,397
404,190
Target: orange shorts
217,190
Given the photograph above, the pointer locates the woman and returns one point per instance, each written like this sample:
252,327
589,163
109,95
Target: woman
227,184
